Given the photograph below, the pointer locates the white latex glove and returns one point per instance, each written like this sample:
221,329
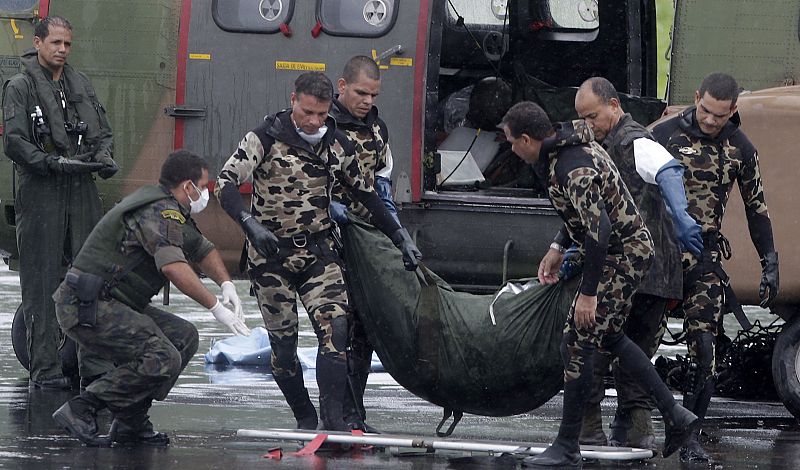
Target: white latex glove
229,296
228,318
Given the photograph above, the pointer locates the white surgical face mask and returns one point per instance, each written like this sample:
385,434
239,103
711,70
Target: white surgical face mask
312,139
201,202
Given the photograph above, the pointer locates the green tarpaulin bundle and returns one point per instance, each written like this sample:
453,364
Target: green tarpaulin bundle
443,345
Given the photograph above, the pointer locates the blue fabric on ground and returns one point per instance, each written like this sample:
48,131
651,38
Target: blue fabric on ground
254,350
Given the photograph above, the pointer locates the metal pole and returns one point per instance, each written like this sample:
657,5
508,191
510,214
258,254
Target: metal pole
383,440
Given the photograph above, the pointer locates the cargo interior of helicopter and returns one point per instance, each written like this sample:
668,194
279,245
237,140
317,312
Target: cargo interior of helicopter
486,56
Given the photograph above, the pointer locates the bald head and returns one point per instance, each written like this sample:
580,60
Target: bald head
597,102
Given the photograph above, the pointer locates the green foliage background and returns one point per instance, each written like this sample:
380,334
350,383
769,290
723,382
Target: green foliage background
665,11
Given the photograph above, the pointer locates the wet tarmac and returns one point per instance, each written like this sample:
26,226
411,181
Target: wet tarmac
209,404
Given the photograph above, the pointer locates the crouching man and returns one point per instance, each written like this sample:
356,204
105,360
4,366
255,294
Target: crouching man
144,241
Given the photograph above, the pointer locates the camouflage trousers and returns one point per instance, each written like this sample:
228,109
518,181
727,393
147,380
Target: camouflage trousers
150,348
703,302
618,283
317,280
645,326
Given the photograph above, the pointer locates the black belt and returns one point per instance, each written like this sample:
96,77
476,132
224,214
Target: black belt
315,243
303,239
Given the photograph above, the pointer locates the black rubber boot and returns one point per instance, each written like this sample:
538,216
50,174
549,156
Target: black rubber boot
132,426
78,418
620,427
592,433
679,423
697,397
359,361
641,434
565,452
296,394
332,382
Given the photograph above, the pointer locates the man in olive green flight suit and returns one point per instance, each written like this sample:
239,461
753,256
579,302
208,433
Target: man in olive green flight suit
57,135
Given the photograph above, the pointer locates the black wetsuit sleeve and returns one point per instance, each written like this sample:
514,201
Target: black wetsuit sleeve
381,217
563,238
231,201
595,256
755,206
583,190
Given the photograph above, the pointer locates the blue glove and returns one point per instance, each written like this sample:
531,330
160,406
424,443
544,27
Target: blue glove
670,182
572,265
338,213
383,186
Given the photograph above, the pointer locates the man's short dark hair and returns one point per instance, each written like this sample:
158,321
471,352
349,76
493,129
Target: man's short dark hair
182,165
720,86
314,84
526,117
603,89
42,28
360,64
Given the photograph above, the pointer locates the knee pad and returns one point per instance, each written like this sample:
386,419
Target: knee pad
284,357
339,333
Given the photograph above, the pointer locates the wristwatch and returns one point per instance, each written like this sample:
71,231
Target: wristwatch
557,247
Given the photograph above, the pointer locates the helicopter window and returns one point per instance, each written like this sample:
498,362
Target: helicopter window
252,16
18,8
358,18
478,12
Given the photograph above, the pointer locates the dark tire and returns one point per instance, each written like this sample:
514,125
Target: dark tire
786,365
19,338
68,353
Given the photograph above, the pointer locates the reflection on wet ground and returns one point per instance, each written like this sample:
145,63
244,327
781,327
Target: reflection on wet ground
209,403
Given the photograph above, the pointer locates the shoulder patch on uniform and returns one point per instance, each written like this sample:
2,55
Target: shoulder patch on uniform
174,215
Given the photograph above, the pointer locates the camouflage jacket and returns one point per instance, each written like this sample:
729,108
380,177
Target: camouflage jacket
712,165
588,193
370,137
291,180
145,231
664,277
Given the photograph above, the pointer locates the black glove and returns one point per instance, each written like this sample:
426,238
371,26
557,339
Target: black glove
769,279
109,169
84,156
264,241
59,164
411,254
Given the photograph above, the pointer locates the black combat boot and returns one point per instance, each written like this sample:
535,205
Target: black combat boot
296,394
565,452
78,418
679,423
332,382
132,426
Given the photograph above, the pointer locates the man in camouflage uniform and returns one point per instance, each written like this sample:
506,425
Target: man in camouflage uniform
357,117
57,135
706,139
293,158
144,241
601,219
646,168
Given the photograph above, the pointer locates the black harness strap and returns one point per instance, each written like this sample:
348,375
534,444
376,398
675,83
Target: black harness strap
316,244
716,248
